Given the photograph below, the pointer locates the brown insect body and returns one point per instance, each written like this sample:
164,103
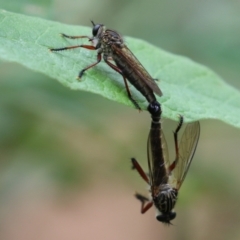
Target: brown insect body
111,46
165,178
156,154
164,197
129,65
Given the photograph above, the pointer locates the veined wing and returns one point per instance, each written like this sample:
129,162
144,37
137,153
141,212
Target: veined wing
128,57
187,148
150,159
165,150
171,178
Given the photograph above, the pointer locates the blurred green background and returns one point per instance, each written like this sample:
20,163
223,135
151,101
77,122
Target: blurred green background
65,155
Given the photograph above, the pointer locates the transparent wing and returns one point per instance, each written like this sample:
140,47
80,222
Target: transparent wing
171,178
187,150
129,57
165,150
150,160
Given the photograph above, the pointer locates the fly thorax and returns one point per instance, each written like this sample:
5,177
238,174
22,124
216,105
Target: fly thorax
107,52
110,38
166,198
113,37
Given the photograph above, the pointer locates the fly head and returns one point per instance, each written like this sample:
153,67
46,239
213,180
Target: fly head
165,201
166,217
97,32
97,29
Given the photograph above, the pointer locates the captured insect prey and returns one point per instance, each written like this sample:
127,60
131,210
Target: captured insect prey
165,178
116,54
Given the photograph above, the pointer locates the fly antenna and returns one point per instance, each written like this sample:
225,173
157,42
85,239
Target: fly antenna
92,22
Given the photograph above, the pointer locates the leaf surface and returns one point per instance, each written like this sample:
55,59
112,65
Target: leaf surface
188,88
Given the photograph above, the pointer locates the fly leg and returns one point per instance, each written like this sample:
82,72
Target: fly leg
125,82
89,47
175,134
99,58
136,165
146,203
74,37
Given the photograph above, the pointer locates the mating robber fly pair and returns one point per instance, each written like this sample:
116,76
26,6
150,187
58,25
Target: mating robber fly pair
164,178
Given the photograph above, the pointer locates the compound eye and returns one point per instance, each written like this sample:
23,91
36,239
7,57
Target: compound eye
95,29
166,218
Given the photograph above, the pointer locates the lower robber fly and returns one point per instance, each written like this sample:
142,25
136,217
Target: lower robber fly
111,47
165,178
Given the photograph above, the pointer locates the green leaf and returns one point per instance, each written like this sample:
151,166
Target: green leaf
188,88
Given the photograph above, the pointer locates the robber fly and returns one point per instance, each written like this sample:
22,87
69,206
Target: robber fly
111,46
165,178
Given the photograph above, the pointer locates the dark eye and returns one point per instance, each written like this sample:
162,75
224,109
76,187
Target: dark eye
166,217
95,29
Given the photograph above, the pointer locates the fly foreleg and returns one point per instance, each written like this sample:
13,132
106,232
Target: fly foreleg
76,46
89,47
74,37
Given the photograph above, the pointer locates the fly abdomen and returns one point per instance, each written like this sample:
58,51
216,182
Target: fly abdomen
158,165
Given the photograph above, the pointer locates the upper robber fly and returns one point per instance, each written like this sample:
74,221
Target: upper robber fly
165,178
111,46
